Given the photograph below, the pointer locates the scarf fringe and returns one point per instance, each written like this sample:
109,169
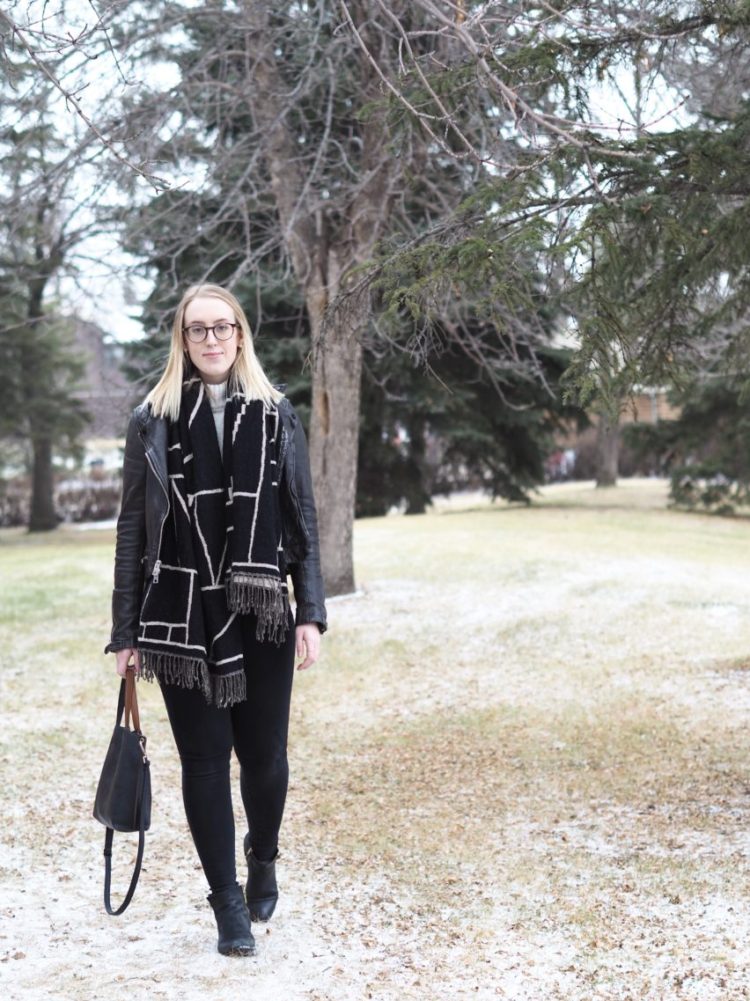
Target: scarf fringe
230,688
265,596
191,672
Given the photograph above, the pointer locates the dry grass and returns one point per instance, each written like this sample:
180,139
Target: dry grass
520,769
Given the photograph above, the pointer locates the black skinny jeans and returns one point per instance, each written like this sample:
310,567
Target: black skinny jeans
257,729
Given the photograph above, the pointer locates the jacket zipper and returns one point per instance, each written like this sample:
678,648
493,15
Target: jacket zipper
299,512
292,485
284,443
157,565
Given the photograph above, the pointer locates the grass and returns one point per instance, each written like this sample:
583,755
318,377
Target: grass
534,721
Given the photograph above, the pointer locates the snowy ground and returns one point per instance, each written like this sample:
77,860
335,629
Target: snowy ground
520,770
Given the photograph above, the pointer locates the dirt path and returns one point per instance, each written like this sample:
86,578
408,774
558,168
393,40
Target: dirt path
520,771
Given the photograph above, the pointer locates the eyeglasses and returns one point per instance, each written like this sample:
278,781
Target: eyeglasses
197,332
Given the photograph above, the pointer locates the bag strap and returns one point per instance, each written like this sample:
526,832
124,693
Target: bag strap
131,701
108,838
120,703
128,700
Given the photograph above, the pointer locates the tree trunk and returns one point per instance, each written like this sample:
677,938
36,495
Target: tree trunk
607,450
322,253
43,517
334,443
417,496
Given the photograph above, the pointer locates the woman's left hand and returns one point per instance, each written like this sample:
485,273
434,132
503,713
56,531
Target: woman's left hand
308,644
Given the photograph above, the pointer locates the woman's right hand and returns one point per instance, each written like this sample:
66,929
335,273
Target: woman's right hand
123,658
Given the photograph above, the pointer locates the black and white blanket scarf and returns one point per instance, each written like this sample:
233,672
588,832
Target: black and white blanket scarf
221,552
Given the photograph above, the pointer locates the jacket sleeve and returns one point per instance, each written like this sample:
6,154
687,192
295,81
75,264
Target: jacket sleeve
130,545
307,579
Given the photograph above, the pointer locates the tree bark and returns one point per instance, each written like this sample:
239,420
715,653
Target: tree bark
334,445
43,517
417,497
607,450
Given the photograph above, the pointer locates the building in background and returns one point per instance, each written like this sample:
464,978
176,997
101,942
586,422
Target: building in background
577,453
107,395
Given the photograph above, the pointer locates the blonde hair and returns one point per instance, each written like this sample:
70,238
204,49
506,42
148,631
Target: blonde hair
246,375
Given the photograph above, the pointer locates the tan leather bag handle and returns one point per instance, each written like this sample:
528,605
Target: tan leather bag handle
131,701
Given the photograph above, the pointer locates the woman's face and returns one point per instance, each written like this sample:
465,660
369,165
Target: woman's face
213,358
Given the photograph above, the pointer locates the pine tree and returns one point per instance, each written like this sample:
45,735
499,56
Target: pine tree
40,373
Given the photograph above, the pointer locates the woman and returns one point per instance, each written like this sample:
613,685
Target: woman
217,507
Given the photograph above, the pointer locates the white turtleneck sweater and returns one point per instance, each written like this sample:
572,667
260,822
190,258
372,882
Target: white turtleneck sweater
217,397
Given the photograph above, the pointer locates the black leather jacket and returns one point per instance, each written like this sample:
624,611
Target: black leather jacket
145,506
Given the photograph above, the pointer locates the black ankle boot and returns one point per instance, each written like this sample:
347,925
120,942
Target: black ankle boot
233,922
262,891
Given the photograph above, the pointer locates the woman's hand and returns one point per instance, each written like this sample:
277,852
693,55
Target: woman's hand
308,644
122,661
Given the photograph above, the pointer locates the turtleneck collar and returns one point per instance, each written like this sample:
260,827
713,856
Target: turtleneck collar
217,393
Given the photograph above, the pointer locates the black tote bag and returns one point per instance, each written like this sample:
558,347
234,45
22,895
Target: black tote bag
123,796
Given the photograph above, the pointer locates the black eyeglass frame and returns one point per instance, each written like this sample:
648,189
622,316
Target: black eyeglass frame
221,323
